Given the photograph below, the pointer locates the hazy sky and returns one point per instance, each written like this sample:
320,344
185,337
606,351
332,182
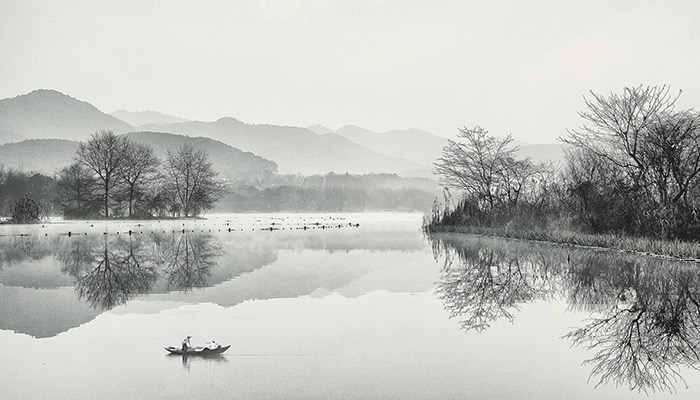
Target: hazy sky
519,67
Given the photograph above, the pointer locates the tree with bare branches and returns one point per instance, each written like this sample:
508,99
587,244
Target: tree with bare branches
495,185
652,150
104,154
193,184
140,166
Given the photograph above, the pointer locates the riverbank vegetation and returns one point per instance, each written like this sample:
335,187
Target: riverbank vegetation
631,179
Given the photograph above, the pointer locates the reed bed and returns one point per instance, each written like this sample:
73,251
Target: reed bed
676,249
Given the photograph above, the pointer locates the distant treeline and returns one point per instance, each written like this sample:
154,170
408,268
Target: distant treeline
279,193
331,192
633,169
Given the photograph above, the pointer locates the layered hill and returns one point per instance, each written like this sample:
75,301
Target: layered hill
296,150
138,118
424,147
48,114
231,163
411,144
47,156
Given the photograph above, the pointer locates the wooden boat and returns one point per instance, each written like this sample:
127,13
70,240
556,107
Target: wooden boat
197,351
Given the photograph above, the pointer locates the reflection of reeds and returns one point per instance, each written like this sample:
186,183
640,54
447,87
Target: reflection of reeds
645,246
646,322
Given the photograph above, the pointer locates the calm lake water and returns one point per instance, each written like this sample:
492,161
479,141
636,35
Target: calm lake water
317,307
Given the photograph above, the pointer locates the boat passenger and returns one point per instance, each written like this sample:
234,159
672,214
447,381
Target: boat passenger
213,345
186,343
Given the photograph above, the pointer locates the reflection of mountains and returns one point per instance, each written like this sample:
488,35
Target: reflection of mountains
647,311
107,271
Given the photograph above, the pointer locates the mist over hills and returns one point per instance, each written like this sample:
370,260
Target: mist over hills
423,147
411,144
295,149
47,156
48,114
138,118
231,163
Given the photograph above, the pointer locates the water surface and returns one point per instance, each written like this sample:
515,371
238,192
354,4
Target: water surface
318,307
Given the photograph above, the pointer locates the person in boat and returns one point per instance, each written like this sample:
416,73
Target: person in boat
186,343
213,345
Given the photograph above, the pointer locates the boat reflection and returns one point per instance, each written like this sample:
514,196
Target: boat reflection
188,360
646,311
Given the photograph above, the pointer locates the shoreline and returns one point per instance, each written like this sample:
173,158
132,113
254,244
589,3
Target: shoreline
658,248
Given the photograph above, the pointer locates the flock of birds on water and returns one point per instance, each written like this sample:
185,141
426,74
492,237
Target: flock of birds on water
189,226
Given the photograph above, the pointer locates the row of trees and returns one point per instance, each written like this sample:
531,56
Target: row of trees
633,167
113,176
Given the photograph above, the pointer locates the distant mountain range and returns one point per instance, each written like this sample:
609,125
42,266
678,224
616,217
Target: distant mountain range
138,118
294,149
47,156
424,147
238,148
231,163
48,114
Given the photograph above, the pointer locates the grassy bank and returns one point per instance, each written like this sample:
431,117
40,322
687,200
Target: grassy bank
676,249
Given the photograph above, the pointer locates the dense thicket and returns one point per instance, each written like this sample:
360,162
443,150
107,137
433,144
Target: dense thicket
632,168
636,164
16,185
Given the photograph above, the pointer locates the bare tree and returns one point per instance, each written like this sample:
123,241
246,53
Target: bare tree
497,187
619,124
193,184
476,165
652,150
103,154
140,165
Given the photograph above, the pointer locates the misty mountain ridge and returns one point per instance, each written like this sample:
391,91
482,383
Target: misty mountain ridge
48,156
319,129
423,147
231,163
45,156
139,118
295,149
48,114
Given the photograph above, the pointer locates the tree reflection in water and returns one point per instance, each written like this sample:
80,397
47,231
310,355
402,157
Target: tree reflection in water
647,311
109,272
187,260
487,284
108,275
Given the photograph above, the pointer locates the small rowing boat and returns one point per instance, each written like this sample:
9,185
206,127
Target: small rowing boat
198,351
